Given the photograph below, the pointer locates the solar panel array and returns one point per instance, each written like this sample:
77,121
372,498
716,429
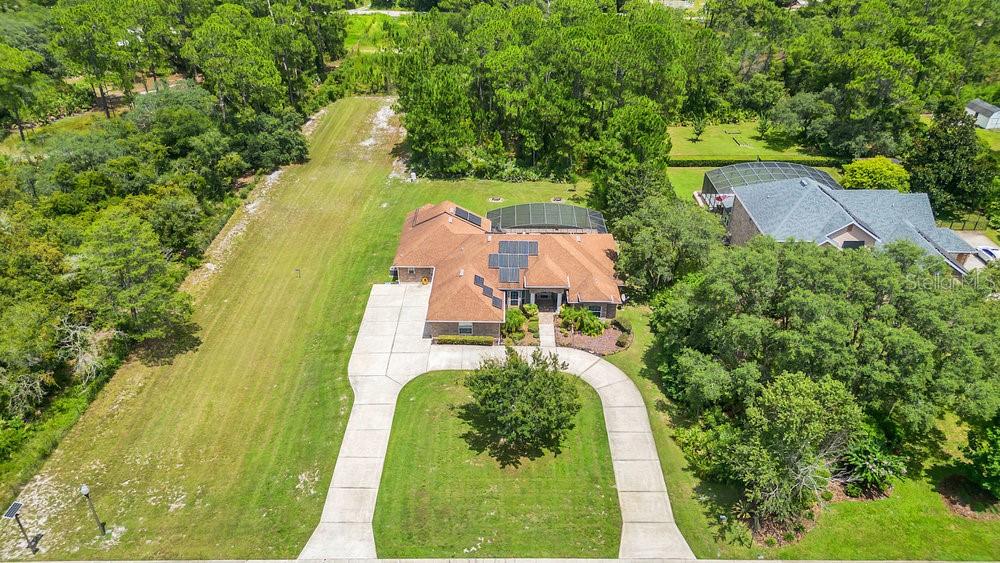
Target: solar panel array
488,291
746,173
510,275
546,216
469,216
525,247
508,260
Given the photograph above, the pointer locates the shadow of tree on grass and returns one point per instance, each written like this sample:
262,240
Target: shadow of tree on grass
483,436
162,351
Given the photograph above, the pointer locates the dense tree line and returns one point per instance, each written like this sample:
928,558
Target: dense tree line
799,364
99,227
495,86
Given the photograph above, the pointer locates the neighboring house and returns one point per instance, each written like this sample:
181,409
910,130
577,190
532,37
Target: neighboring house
803,209
986,114
543,253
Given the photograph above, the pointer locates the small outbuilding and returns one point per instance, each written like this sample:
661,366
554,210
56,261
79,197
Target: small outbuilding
986,115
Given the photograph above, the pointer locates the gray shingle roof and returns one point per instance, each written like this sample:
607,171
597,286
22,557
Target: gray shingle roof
805,210
982,107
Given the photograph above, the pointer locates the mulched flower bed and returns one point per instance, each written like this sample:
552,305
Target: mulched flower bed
967,500
601,345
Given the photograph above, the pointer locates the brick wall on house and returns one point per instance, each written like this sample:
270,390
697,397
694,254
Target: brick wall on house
439,328
404,274
741,227
608,310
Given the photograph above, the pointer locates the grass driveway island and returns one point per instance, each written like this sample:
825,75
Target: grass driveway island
440,497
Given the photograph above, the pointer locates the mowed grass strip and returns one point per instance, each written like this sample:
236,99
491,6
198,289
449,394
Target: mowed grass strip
440,498
226,451
913,523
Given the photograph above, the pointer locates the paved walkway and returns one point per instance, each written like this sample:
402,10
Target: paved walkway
546,330
390,351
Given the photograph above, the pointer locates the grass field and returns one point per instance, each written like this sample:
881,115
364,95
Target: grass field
913,523
440,498
226,450
991,137
720,141
37,137
369,32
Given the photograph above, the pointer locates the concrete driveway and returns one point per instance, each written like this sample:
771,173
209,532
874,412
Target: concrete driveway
390,351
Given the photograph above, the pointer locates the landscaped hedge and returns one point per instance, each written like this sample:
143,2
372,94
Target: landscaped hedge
464,340
692,162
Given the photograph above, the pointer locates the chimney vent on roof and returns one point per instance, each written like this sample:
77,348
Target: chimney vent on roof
803,182
461,272
489,238
578,239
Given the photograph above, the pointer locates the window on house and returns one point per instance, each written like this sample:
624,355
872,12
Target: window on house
411,271
848,244
596,309
465,328
514,298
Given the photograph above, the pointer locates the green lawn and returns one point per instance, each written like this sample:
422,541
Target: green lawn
226,451
439,497
992,137
913,523
720,141
686,181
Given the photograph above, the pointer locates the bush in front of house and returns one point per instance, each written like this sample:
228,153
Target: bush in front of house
533,327
531,310
623,325
513,325
464,339
578,319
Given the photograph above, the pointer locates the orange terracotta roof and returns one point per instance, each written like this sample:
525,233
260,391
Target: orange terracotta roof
433,235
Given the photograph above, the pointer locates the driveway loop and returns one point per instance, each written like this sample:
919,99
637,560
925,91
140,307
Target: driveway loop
390,351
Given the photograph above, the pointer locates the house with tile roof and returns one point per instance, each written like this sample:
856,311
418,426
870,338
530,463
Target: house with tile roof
550,255
804,209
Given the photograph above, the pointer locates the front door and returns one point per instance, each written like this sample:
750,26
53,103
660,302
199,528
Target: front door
546,301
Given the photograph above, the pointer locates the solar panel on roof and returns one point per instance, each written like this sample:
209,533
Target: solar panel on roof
507,246
510,275
497,303
470,217
487,291
478,280
15,507
533,248
494,261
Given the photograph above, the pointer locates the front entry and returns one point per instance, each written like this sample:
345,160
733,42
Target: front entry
546,301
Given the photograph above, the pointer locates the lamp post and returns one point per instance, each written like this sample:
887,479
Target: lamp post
85,491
